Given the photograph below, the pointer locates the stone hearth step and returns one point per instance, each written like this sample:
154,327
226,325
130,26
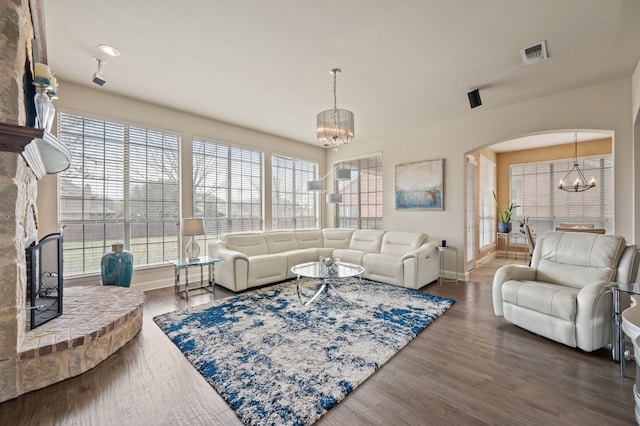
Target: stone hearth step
96,321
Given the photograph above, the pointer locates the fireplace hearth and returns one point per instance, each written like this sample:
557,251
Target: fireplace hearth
44,280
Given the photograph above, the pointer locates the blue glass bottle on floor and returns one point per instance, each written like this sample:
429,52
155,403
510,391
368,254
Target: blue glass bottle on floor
117,266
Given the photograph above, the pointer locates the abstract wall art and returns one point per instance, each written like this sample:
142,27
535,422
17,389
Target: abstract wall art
420,185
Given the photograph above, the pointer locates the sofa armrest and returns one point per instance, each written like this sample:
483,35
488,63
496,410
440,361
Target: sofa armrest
220,249
508,273
421,265
425,250
232,273
593,318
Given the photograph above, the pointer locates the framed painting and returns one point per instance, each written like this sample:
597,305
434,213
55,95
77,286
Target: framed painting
420,185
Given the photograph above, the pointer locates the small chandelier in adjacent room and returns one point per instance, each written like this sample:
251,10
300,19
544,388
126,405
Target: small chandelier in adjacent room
580,183
335,126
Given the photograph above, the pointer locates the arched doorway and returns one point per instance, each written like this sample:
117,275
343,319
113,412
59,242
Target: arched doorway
527,170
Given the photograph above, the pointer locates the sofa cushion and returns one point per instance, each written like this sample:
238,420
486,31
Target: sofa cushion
279,241
366,240
337,237
296,257
309,238
550,299
400,243
385,268
251,244
348,256
266,269
578,259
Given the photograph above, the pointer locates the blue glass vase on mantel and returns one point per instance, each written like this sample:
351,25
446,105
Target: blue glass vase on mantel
117,266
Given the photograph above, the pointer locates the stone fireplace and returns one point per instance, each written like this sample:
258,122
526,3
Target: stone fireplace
97,320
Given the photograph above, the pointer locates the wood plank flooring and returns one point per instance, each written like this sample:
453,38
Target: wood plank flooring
468,367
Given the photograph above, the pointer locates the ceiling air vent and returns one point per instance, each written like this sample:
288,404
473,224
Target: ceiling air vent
535,53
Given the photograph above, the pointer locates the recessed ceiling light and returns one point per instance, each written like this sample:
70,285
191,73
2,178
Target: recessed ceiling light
109,50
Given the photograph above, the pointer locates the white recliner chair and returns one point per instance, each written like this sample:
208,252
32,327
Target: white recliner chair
563,294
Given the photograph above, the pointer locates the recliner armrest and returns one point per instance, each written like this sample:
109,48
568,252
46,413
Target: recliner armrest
508,273
594,302
628,265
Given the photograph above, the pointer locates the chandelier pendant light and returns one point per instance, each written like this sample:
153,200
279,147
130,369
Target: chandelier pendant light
335,126
580,183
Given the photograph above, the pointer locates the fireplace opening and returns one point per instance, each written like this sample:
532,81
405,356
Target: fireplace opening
44,280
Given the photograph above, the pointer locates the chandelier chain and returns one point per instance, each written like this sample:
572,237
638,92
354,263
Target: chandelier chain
335,97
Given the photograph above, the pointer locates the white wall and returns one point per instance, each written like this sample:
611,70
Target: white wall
604,106
635,117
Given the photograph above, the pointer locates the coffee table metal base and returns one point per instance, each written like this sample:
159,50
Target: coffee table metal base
325,273
324,288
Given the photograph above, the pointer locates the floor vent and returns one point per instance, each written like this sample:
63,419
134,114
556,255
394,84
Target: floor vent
535,53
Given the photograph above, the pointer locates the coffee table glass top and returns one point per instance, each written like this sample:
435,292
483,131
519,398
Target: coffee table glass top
320,270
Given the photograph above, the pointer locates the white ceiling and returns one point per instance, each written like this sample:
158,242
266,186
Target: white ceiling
264,64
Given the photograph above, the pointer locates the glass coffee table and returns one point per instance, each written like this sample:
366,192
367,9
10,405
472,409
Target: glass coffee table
326,274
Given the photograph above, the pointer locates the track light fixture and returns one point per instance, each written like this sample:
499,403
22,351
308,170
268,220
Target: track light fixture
98,77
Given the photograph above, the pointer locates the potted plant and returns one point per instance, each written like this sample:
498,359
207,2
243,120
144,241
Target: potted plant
504,215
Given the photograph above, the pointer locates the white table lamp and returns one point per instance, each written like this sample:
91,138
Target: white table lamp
192,227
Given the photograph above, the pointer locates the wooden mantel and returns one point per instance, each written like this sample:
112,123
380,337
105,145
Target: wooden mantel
14,138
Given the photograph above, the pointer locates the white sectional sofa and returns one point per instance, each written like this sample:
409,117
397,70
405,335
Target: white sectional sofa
406,259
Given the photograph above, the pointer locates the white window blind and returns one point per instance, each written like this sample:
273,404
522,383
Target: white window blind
292,206
362,199
486,203
227,188
534,188
122,187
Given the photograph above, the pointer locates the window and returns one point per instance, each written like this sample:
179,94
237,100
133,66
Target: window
534,188
227,188
122,186
292,205
361,205
486,203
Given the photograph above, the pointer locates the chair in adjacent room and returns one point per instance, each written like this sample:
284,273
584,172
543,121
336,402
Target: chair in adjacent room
576,225
531,242
583,230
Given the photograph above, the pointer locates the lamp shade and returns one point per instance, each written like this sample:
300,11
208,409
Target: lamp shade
335,127
192,226
314,185
343,174
334,198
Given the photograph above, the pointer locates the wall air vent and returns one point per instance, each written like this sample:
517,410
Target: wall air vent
535,53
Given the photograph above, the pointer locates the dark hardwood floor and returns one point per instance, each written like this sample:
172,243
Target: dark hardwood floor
468,367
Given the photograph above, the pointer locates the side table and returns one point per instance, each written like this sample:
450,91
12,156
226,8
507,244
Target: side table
617,334
179,264
443,252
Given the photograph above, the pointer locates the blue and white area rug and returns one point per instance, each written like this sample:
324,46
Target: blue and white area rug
277,362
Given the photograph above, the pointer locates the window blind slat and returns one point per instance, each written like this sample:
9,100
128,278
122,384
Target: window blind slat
227,187
109,196
292,205
546,206
362,199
